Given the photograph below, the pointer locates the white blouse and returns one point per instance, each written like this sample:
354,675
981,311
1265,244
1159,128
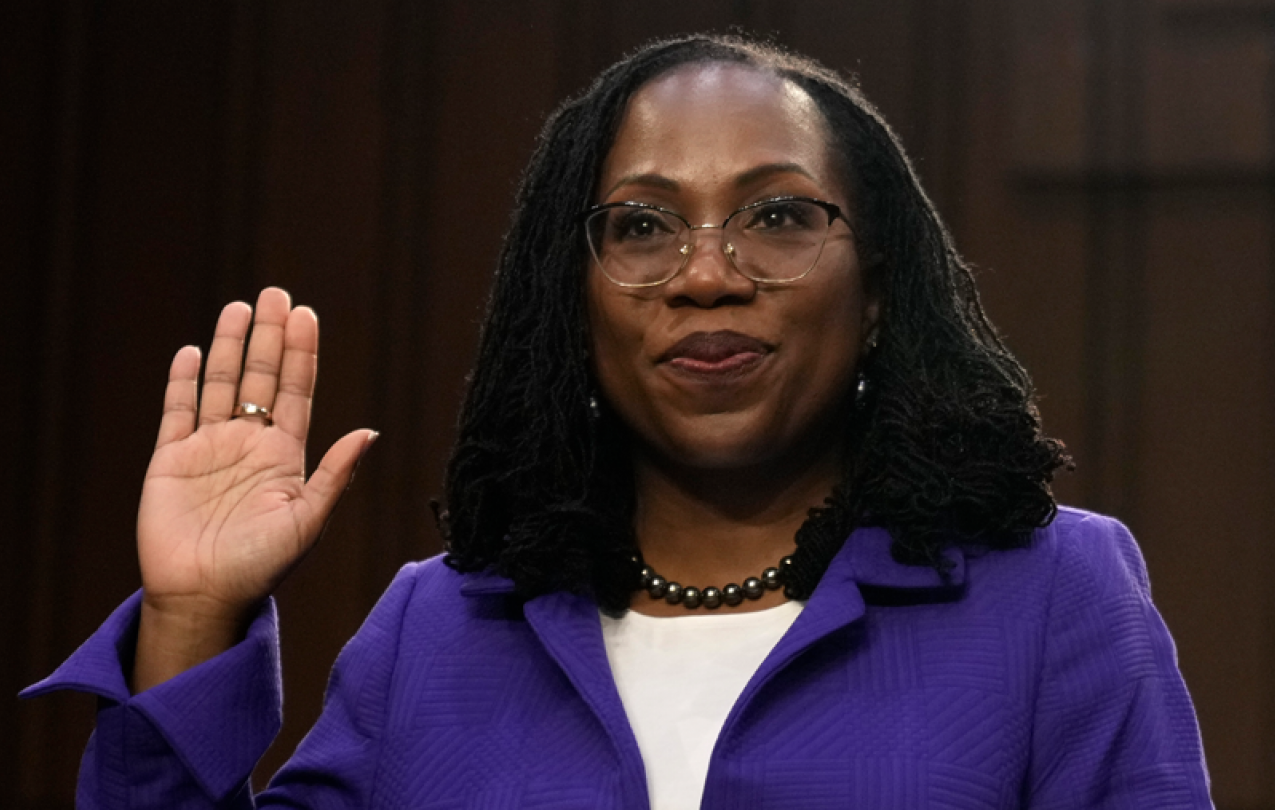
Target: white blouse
678,678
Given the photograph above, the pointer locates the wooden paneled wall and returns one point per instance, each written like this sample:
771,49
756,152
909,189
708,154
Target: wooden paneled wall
1109,165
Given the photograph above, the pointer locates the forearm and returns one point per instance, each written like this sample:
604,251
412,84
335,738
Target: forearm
170,642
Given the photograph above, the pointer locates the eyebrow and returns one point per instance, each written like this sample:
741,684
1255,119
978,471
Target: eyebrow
746,178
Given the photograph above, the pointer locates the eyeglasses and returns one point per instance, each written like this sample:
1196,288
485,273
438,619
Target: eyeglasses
775,241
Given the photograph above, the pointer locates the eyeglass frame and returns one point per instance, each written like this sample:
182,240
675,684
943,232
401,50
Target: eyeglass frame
831,209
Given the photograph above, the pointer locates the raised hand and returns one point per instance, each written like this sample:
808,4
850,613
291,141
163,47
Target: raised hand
226,511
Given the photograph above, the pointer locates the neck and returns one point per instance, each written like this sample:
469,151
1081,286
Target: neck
713,527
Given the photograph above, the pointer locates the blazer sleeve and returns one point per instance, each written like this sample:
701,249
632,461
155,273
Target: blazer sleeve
192,742
1114,726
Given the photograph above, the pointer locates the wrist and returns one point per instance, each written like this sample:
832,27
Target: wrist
198,614
172,638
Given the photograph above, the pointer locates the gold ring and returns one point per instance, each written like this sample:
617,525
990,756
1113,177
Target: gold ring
252,409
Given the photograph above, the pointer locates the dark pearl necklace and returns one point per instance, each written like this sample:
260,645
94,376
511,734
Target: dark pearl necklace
731,595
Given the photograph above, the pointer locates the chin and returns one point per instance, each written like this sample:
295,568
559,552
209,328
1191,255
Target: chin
724,447
745,440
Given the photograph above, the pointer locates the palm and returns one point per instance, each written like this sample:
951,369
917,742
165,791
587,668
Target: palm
226,511
221,514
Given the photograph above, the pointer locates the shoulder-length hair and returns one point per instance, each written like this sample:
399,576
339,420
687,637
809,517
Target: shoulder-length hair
946,448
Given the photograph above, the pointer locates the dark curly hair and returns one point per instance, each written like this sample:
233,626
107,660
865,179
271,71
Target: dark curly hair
947,448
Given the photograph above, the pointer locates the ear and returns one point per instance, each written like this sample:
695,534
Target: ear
871,324
870,327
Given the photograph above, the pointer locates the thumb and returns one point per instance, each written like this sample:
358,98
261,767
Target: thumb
334,474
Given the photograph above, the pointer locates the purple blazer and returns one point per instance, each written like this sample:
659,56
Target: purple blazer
1033,678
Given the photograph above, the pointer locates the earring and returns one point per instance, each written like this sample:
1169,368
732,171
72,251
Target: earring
861,379
860,389
595,409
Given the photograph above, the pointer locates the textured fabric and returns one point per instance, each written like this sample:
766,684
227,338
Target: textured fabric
678,677
1038,678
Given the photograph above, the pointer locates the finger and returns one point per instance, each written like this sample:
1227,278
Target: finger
221,377
333,476
180,395
265,348
297,373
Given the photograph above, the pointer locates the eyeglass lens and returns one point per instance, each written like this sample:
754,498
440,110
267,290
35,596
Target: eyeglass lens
773,242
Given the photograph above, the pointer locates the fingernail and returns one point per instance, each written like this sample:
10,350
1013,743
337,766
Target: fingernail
367,445
371,440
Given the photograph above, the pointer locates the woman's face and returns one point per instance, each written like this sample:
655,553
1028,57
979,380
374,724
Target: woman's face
712,370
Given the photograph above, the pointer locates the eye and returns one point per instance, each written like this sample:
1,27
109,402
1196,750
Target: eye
782,215
638,224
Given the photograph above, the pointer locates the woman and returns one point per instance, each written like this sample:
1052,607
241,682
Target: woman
749,508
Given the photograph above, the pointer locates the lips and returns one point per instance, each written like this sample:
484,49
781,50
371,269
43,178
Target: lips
715,353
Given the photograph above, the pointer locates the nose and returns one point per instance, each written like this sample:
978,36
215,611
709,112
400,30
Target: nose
709,278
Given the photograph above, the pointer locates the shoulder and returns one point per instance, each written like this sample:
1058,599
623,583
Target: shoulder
1072,523
425,579
423,613
1077,543
1080,526
430,608
1079,562
1094,553
429,588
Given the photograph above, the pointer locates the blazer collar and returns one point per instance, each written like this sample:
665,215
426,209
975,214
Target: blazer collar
486,583
866,559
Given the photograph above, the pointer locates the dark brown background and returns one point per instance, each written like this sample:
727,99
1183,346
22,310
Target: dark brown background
1108,164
